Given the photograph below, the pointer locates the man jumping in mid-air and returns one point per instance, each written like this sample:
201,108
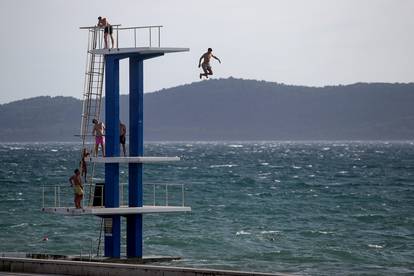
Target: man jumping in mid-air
206,63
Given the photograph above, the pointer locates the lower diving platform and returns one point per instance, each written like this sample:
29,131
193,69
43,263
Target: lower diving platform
158,198
122,211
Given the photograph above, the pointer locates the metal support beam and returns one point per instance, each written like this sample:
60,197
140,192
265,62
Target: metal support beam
113,235
136,148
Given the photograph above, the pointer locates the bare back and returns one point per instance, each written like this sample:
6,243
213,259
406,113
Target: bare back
76,180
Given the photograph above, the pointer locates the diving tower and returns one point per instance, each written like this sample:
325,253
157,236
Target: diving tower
120,200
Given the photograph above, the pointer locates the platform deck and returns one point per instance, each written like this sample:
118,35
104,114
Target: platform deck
139,50
123,210
133,159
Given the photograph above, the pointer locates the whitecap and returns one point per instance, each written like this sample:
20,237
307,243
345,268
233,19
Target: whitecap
326,148
54,150
264,164
235,146
375,246
296,167
19,225
343,172
265,174
269,232
223,166
242,232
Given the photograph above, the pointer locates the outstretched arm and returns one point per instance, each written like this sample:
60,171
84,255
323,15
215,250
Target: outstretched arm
199,62
70,180
216,58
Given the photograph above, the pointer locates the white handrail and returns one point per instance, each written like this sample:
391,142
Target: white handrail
64,192
118,30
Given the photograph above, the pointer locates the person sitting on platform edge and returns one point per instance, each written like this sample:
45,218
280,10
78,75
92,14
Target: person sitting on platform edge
103,23
122,136
76,182
99,133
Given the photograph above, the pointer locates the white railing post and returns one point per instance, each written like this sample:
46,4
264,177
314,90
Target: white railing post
166,194
135,38
43,196
58,196
182,195
55,196
102,196
117,37
159,37
153,192
150,36
122,194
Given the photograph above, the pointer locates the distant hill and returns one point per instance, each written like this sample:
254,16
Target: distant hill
235,109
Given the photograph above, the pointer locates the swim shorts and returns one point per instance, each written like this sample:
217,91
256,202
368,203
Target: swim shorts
78,190
206,66
122,139
100,140
108,29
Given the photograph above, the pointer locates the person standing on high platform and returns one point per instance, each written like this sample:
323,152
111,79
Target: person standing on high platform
122,136
103,23
206,57
99,133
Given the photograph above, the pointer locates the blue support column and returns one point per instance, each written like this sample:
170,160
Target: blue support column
113,239
136,148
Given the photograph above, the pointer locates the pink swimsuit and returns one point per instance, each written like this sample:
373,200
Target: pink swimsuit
100,140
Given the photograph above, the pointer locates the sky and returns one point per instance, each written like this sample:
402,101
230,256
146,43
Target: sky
300,42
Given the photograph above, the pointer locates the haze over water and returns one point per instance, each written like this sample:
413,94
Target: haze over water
321,208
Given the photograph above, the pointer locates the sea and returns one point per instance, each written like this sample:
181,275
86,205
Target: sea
306,208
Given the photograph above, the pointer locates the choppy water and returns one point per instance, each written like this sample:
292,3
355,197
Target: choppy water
307,208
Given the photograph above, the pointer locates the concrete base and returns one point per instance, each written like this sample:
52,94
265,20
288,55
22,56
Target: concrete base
123,260
102,269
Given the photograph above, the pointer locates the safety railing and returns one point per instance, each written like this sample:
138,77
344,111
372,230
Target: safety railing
155,194
130,37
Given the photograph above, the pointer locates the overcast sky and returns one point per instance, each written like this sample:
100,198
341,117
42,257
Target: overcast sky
306,42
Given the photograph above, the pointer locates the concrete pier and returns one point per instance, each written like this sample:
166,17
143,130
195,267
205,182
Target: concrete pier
60,267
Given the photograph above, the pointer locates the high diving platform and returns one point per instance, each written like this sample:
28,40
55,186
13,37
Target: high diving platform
133,159
140,50
110,199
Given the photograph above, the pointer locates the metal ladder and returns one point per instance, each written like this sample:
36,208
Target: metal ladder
92,97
